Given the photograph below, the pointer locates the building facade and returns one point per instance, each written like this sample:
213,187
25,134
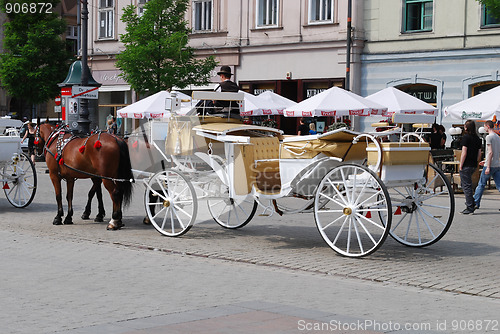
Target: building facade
295,50
440,51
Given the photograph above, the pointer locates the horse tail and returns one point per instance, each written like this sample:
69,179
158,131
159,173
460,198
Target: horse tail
125,172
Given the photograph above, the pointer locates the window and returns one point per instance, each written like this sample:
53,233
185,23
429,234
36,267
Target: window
72,39
320,11
488,20
267,13
140,7
417,15
202,15
106,18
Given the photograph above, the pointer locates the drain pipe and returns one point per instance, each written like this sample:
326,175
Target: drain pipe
349,42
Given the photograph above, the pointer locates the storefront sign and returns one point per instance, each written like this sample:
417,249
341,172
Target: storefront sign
314,91
109,77
258,91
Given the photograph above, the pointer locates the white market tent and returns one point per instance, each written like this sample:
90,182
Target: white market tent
253,106
483,106
335,102
399,102
276,104
155,106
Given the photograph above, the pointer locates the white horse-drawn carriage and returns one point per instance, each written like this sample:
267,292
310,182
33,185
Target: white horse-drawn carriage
17,172
358,188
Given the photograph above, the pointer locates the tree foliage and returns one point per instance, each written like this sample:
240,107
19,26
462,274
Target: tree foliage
35,57
493,7
156,55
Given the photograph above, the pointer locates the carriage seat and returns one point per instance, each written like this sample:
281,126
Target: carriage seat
265,168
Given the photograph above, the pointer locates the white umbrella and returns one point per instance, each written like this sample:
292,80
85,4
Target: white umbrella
335,102
275,103
483,106
155,106
398,101
253,105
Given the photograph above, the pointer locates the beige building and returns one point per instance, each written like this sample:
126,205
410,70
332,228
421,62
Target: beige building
296,48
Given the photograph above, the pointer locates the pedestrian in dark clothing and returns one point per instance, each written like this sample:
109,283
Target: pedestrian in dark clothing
442,131
303,128
226,85
471,154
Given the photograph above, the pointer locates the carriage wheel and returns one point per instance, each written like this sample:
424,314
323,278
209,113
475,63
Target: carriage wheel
171,203
20,188
346,205
423,213
232,213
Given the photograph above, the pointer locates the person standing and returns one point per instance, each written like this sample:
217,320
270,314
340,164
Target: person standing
312,129
471,154
436,137
112,127
303,128
491,164
30,134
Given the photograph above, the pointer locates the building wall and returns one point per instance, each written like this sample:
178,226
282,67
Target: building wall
305,50
454,57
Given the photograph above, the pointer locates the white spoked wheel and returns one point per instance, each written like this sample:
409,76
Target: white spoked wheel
422,213
171,203
232,213
346,209
20,184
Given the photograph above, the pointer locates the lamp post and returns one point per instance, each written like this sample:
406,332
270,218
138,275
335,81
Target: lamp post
83,120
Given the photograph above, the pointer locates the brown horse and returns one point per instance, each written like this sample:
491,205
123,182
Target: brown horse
100,157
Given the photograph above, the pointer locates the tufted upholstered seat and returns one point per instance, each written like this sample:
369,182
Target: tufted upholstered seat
260,163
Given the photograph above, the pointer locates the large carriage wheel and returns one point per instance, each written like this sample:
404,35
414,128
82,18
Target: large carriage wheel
422,213
171,203
346,209
20,188
232,213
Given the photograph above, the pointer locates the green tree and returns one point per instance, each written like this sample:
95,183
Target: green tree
156,55
35,57
493,7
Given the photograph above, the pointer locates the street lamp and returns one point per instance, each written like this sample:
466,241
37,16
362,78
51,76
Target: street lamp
83,120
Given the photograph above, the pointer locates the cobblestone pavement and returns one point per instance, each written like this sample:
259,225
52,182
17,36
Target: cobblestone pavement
458,276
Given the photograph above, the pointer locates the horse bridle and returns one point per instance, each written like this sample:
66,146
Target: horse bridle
37,141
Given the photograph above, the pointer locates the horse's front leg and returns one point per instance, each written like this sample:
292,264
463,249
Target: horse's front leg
69,197
56,182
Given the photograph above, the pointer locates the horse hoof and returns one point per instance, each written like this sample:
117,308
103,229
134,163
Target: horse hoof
99,219
85,216
146,221
68,221
57,221
112,227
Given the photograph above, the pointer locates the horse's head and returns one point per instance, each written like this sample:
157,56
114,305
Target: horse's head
42,133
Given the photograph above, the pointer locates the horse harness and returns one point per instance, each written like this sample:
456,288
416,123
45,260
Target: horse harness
58,134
